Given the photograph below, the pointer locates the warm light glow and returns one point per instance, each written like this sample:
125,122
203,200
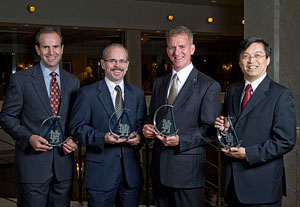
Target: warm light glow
227,67
243,21
210,20
31,8
170,17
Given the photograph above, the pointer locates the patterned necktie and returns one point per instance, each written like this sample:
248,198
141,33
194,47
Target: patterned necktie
118,102
173,90
54,94
247,96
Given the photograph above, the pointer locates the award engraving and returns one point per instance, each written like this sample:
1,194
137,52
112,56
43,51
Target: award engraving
51,129
122,127
164,121
228,139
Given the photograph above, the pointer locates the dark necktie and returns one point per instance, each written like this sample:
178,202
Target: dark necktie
247,96
118,102
173,90
54,94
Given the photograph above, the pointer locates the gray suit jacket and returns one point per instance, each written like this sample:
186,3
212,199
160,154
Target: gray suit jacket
25,107
267,128
195,108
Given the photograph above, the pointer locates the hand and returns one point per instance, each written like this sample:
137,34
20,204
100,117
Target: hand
239,153
149,131
221,123
112,139
39,143
169,141
134,141
69,146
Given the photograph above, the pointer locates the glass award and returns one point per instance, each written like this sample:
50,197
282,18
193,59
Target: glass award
122,127
164,121
228,139
51,129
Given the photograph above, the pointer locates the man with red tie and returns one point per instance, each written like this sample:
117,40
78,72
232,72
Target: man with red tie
44,173
263,116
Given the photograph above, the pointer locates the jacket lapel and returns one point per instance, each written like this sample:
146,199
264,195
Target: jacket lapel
186,90
63,90
38,83
258,95
105,98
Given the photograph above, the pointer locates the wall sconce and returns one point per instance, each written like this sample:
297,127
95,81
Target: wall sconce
210,20
170,17
227,67
31,9
243,21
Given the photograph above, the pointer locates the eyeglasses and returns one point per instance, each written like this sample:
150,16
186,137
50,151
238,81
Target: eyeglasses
114,61
256,56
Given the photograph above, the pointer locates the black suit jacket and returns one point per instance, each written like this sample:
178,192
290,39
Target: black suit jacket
25,107
195,108
89,123
267,128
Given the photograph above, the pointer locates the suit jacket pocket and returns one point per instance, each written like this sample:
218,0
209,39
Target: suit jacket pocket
194,151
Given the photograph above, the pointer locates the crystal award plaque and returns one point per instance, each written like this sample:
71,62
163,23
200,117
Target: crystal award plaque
122,128
228,139
51,129
164,121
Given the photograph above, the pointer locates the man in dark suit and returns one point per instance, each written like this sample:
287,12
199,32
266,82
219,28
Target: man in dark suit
178,162
112,166
266,126
44,173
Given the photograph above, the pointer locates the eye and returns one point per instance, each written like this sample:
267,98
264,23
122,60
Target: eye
245,56
258,56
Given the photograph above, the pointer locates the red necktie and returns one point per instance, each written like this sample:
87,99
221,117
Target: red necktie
247,96
54,94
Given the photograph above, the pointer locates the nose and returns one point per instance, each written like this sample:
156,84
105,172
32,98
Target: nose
176,51
51,50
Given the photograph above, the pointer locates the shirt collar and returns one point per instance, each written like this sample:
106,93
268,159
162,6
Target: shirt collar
111,85
255,83
183,74
46,71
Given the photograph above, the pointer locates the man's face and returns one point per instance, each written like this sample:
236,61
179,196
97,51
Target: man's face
50,50
116,64
253,61
180,50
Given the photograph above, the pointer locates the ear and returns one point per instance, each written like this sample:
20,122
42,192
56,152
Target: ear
102,64
268,61
193,48
62,48
37,49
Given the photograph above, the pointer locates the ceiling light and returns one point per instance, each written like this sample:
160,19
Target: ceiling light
210,19
170,17
31,8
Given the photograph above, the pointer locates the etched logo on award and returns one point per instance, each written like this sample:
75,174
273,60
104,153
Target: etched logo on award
51,129
121,128
164,121
228,138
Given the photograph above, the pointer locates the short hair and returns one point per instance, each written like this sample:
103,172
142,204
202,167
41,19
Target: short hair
180,30
46,30
250,40
104,53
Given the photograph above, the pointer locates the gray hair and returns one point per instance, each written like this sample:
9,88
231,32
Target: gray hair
180,30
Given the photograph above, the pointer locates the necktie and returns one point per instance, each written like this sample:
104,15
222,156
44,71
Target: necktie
54,94
173,90
247,96
118,102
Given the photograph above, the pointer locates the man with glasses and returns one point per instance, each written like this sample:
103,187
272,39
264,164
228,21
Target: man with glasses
112,164
263,116
44,173
178,161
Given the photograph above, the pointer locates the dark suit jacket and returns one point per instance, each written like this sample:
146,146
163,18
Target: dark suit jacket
267,128
89,123
25,107
195,108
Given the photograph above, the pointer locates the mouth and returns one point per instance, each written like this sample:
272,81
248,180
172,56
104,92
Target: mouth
252,67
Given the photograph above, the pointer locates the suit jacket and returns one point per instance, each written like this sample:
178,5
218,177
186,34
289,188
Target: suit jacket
25,107
89,123
267,128
195,109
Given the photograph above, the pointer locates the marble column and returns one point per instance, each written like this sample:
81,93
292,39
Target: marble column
133,44
276,22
